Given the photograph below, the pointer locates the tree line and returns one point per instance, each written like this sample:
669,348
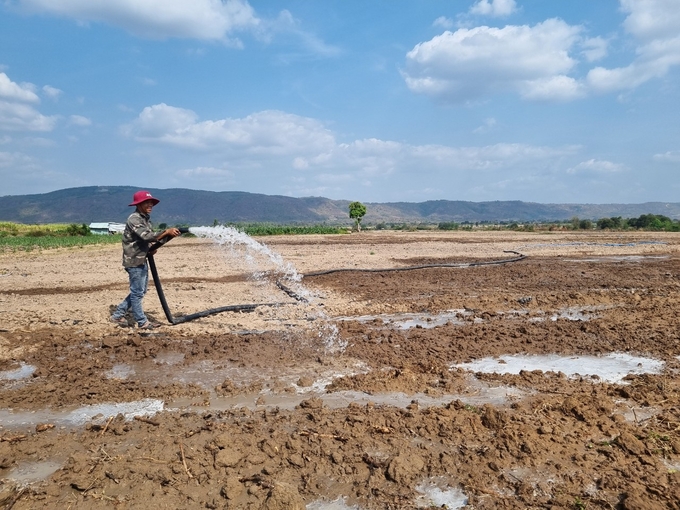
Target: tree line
643,222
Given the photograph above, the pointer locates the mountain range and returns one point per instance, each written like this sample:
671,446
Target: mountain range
194,207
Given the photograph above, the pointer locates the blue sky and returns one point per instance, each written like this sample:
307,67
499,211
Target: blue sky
383,100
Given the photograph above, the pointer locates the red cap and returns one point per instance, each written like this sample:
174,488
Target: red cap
143,196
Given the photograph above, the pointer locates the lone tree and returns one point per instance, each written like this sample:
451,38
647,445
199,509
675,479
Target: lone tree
357,210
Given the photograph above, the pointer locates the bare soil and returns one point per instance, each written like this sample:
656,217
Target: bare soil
288,405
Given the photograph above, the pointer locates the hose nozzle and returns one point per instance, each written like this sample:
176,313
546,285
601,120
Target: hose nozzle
183,230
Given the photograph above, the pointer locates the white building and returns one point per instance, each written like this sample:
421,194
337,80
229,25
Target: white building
107,228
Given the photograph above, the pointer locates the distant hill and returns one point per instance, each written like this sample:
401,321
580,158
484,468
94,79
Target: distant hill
193,207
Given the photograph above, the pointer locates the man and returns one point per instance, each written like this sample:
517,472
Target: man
137,238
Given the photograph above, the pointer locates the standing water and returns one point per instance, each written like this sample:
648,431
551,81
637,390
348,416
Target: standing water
265,262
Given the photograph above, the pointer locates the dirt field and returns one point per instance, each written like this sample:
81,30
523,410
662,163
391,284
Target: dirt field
362,396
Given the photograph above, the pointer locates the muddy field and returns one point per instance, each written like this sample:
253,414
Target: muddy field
465,379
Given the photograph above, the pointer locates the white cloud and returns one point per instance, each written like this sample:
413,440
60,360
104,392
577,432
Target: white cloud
655,24
554,88
287,25
199,19
470,63
649,20
204,172
539,62
15,160
79,120
595,48
266,132
306,155
17,112
23,117
443,22
52,92
669,157
596,166
495,8
310,145
12,91
487,126
159,121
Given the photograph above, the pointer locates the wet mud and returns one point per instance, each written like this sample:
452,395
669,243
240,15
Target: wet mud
374,395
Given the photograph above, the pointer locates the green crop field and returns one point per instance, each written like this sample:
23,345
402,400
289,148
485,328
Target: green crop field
21,237
263,229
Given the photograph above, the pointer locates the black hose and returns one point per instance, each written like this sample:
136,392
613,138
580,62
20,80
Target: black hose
205,313
297,297
290,292
159,288
423,266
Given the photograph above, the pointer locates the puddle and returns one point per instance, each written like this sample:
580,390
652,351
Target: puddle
338,504
77,417
622,258
169,358
673,467
611,368
120,371
580,243
23,372
209,374
462,317
435,493
635,413
412,320
480,394
578,313
572,313
164,359
31,472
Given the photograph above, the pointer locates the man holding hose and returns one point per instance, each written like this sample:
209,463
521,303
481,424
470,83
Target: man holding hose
137,239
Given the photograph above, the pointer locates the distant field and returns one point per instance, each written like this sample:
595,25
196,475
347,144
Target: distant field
19,236
24,237
265,229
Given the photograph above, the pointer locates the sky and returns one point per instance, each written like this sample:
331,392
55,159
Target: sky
571,101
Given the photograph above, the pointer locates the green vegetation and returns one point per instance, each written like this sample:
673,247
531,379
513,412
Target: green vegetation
357,211
265,229
448,225
17,236
78,230
653,222
579,504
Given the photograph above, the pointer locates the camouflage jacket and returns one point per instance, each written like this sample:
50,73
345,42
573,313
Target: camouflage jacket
137,238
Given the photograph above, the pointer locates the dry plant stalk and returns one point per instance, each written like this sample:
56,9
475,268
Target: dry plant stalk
13,439
184,460
108,422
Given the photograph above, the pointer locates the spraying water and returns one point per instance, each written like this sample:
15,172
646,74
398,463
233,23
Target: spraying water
258,256
231,237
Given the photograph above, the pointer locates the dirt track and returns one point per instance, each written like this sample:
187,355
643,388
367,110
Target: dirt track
354,395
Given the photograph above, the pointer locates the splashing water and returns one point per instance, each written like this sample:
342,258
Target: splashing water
255,254
231,237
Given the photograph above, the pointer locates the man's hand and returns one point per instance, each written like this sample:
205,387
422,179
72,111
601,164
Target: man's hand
170,232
